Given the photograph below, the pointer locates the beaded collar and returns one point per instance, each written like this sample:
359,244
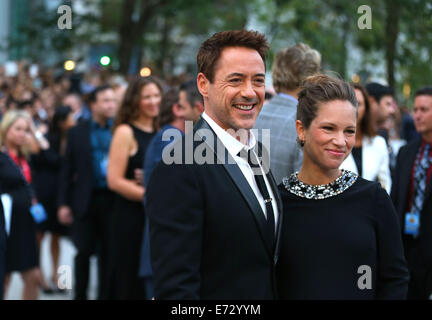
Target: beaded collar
322,191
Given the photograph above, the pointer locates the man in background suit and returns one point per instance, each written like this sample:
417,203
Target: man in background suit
411,194
290,68
84,197
213,230
2,250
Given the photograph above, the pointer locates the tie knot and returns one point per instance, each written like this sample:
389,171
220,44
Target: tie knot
250,157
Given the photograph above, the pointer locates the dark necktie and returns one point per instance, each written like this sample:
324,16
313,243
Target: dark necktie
420,178
263,190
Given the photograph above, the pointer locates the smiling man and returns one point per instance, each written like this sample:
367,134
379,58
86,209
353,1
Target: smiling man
214,225
411,194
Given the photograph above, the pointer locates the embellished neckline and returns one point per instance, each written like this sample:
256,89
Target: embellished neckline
318,192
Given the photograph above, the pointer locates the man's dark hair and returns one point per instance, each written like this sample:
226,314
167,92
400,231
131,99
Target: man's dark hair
192,93
425,91
170,98
211,49
378,91
92,98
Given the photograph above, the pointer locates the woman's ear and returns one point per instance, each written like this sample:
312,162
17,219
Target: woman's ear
300,130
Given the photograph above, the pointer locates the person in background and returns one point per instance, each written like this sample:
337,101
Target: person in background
135,125
369,157
340,232
381,104
46,168
80,111
2,248
291,66
411,195
84,199
17,138
176,108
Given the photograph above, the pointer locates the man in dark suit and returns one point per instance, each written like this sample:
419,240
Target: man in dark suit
84,197
214,216
2,250
411,194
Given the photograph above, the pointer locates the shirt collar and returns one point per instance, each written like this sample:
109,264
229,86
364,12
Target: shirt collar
231,144
108,125
287,96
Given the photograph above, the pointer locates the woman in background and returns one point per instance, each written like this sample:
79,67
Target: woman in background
340,233
46,166
16,134
134,126
369,157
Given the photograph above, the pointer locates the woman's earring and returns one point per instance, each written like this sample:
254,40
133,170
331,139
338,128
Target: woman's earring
301,143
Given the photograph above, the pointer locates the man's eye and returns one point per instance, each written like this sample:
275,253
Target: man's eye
235,80
351,131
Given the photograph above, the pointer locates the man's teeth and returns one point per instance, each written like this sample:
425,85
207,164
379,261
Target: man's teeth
243,107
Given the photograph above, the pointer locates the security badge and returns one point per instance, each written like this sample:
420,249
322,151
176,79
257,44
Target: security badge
412,223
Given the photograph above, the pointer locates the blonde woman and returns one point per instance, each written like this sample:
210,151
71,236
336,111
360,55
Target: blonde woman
17,138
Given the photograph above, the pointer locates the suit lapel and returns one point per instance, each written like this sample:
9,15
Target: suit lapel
239,181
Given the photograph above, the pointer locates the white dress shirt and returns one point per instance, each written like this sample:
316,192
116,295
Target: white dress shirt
234,147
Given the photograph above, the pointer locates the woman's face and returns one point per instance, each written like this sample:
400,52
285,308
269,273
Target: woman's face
361,105
17,133
150,100
330,136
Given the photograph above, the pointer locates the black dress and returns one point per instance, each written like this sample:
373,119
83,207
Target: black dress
342,242
46,170
21,247
127,232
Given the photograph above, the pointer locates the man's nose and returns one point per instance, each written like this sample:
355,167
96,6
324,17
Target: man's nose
248,90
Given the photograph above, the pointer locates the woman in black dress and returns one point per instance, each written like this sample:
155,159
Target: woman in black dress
134,126
46,167
340,233
15,177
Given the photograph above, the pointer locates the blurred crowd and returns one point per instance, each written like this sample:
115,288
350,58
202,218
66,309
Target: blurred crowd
64,130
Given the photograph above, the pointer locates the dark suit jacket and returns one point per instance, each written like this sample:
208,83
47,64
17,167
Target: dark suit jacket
76,174
399,195
2,249
207,229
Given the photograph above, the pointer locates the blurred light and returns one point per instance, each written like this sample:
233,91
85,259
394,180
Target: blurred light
406,90
145,72
69,65
355,78
105,60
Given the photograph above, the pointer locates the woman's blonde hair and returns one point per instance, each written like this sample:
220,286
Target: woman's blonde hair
9,118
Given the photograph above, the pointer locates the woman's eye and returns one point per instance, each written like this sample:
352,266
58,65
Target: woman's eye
327,128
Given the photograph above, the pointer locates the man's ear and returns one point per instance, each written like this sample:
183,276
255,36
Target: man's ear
202,84
176,110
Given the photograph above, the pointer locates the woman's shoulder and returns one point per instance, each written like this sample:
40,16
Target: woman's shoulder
124,132
376,141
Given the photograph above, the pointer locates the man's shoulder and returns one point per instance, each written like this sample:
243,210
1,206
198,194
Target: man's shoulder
411,147
278,108
80,127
